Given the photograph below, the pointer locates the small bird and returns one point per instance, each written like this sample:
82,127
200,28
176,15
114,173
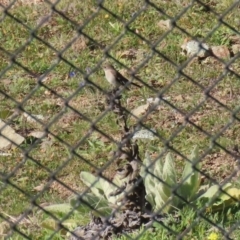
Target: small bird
115,78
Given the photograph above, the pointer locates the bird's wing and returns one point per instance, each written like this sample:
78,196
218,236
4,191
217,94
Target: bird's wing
121,79
124,81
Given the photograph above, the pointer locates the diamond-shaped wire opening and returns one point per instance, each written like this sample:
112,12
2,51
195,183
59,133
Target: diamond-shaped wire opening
181,118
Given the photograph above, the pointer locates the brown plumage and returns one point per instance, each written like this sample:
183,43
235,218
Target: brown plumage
115,78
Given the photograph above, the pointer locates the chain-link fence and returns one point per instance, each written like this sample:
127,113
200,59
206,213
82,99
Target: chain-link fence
119,119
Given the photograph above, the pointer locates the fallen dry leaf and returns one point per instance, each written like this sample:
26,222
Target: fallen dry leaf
46,143
68,118
140,111
39,188
165,24
179,118
178,98
129,54
6,81
44,20
156,84
4,228
234,39
80,43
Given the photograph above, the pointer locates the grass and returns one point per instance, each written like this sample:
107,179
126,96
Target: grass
102,29
201,229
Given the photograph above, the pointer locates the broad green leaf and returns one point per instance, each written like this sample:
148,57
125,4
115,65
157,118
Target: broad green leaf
118,181
147,167
213,192
148,179
50,224
188,170
151,199
191,177
108,189
158,168
93,182
159,193
53,225
209,194
159,201
90,179
232,193
100,186
195,178
90,203
149,185
202,189
168,205
70,224
169,173
220,206
163,203
225,200
176,200
165,191
160,196
60,209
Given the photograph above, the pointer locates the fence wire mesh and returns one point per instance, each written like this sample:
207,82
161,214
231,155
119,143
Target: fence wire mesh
119,119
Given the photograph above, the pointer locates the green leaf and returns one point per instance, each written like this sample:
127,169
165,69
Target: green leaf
231,193
148,179
91,202
157,192
213,192
70,224
149,185
109,188
150,197
50,224
102,187
191,177
53,225
60,209
93,182
161,198
147,166
169,173
158,168
195,179
226,200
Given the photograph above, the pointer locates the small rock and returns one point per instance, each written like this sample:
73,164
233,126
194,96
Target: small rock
37,134
221,52
5,154
236,48
192,47
8,136
145,134
33,118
